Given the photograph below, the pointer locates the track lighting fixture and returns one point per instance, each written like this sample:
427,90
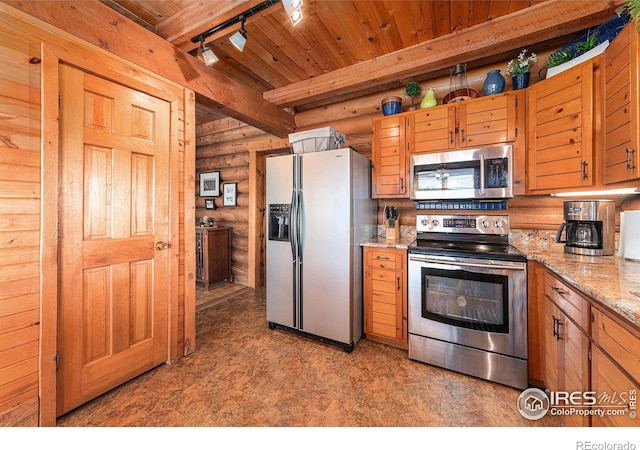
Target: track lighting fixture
294,10
239,38
208,56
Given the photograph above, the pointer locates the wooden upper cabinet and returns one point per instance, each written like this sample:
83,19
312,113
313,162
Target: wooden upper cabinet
475,123
488,120
560,123
621,103
432,129
388,154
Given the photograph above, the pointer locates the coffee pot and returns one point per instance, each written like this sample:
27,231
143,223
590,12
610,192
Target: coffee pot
589,227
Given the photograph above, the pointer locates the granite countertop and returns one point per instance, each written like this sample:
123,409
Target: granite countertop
407,236
609,280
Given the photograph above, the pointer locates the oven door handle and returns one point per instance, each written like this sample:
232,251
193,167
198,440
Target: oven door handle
517,266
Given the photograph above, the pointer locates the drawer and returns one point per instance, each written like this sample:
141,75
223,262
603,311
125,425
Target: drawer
385,258
569,301
620,343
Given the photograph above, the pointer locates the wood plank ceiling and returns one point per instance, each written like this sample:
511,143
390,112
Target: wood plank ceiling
334,35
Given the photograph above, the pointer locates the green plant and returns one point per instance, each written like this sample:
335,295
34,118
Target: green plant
590,42
632,7
412,89
559,57
521,63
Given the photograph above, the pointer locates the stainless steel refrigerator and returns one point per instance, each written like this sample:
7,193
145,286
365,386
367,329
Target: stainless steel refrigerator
319,209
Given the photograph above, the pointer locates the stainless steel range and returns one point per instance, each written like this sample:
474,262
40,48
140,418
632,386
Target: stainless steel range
468,298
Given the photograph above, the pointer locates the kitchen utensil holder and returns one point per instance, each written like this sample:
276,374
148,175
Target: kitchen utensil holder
392,230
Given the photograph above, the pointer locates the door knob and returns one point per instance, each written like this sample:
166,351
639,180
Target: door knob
163,245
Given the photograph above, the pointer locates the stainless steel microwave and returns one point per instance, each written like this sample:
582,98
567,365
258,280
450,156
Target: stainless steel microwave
481,173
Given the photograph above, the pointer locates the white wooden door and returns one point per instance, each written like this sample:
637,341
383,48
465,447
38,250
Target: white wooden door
114,232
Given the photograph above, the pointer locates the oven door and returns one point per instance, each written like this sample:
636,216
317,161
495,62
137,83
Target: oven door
476,303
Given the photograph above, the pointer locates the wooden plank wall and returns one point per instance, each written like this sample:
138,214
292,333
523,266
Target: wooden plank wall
27,396
19,231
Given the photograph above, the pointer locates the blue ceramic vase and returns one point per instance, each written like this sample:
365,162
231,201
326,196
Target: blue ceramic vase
520,80
494,83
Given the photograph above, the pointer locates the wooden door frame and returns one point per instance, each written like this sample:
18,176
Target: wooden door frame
116,69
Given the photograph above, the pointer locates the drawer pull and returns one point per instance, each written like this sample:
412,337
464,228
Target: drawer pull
398,282
382,258
559,291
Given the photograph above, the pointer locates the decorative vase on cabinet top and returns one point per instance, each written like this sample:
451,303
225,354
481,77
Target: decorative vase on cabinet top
520,80
429,100
494,83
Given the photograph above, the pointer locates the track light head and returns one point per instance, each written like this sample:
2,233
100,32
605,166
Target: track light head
239,38
208,56
294,10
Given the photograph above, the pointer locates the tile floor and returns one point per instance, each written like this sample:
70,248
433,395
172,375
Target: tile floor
244,374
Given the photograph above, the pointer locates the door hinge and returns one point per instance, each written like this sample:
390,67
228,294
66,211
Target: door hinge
57,360
589,354
59,231
516,132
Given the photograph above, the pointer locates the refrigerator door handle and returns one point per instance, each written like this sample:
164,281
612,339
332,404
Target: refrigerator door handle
293,235
300,224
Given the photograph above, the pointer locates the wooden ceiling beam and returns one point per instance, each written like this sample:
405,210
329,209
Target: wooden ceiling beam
538,23
100,25
198,17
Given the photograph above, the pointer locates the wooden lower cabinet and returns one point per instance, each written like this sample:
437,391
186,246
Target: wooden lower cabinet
385,296
615,371
566,343
585,350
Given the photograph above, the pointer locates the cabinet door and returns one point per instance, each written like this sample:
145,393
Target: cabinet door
551,347
385,303
621,103
432,129
488,120
617,391
388,153
560,130
574,365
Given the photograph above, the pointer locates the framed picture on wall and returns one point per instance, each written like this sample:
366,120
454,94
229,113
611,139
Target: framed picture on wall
210,184
210,203
229,194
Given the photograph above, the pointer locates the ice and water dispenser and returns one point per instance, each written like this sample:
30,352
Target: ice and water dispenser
279,222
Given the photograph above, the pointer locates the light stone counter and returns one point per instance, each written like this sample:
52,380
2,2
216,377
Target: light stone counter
407,236
609,280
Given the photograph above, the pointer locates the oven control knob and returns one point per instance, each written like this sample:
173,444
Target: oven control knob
498,224
485,223
424,222
435,222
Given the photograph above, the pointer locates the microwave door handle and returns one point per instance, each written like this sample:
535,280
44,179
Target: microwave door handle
482,185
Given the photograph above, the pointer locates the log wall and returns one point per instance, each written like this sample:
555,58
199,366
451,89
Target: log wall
228,141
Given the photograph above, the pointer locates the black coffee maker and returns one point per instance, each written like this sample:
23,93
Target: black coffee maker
589,227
